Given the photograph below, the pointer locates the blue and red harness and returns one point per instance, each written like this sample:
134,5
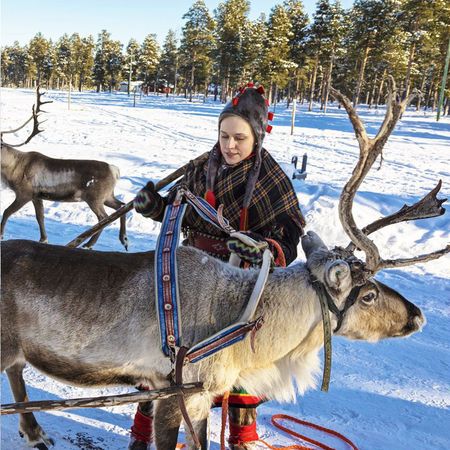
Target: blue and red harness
167,292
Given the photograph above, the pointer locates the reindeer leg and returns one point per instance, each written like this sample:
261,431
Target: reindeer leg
202,430
198,407
167,422
11,209
100,212
116,204
28,426
39,208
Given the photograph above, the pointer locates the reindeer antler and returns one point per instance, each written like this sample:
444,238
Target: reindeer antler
36,110
370,149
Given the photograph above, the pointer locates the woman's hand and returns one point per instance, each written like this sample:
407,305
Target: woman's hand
148,202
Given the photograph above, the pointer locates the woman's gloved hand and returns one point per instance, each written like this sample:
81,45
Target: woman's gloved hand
248,252
148,202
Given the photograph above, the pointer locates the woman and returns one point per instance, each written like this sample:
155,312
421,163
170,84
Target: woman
258,198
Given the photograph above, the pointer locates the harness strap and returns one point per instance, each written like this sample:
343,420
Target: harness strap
327,304
166,292
179,363
322,293
224,338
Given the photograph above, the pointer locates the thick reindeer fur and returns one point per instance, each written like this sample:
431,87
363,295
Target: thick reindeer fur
88,318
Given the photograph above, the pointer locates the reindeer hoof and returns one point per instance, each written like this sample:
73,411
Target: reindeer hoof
41,442
41,446
48,441
124,242
138,445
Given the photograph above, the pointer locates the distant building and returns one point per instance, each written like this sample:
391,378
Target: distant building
123,86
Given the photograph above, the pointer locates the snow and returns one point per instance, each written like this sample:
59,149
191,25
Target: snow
393,395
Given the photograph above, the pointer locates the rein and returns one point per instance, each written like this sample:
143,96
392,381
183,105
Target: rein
327,304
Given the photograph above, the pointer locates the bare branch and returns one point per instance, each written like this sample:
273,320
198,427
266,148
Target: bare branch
103,401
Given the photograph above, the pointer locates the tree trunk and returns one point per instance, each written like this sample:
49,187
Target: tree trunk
328,82
361,77
191,87
320,91
313,83
380,89
412,51
288,94
372,92
435,99
419,98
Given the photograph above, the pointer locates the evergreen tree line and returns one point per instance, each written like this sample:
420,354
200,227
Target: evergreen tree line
292,56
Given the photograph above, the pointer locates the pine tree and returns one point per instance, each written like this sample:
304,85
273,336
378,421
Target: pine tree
254,38
276,62
64,63
99,69
317,33
149,60
107,61
231,19
83,54
168,65
130,61
40,51
197,44
14,65
371,27
297,51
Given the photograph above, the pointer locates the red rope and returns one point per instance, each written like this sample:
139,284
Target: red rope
276,417
224,419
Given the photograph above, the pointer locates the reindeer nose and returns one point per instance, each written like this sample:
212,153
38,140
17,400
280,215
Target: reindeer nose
420,321
416,321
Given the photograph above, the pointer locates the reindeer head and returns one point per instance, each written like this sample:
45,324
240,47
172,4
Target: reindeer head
380,312
364,307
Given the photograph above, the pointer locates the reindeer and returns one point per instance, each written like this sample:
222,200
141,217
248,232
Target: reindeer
87,318
36,177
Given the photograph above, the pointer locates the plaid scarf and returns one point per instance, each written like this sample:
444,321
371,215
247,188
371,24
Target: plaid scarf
273,197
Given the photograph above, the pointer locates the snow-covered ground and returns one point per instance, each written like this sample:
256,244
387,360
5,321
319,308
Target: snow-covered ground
394,395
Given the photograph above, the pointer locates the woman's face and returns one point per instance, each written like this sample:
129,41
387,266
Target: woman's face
236,139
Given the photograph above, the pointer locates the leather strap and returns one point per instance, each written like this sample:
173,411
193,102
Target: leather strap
179,363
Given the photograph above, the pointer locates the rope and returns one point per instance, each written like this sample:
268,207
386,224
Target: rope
224,419
277,417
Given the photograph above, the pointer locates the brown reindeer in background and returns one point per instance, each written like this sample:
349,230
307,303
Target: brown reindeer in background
36,177
89,319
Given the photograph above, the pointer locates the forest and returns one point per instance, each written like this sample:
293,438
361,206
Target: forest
292,55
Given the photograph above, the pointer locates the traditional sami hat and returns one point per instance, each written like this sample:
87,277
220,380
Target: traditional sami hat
252,106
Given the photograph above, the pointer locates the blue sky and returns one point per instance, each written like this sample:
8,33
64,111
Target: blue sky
22,19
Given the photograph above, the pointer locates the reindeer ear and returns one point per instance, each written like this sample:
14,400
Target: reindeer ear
312,242
337,273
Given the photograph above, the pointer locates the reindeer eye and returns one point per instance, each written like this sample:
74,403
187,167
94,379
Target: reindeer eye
369,298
